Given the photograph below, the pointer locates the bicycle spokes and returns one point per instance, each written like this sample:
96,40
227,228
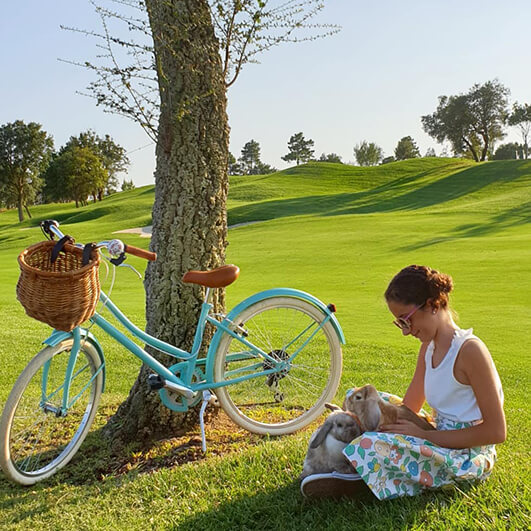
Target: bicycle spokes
292,378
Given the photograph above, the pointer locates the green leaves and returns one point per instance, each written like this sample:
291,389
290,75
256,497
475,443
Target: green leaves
25,150
300,149
471,122
368,153
406,149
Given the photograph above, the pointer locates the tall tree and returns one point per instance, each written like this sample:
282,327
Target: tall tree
191,183
74,175
250,158
471,122
521,117
112,156
300,149
368,153
406,149
25,150
234,166
191,131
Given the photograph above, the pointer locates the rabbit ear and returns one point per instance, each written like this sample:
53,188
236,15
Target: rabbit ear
332,407
371,415
368,391
320,436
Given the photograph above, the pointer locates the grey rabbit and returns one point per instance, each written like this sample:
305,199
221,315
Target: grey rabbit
327,444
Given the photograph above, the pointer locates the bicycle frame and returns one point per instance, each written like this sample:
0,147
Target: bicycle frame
189,362
274,361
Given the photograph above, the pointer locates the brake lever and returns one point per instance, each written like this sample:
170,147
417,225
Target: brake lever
131,267
118,261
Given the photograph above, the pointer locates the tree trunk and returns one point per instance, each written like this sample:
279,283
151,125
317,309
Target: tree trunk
27,210
485,148
471,148
189,213
19,208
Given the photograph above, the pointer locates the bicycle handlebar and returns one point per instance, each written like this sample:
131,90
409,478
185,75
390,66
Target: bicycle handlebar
141,253
52,226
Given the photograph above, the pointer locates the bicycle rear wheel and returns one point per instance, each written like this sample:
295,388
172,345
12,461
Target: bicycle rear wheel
294,396
36,439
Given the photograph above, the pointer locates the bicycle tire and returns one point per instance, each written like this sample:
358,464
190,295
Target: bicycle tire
301,391
35,442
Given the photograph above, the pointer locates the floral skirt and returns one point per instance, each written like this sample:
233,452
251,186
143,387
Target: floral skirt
395,465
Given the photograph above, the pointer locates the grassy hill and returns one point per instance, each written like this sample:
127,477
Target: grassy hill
339,232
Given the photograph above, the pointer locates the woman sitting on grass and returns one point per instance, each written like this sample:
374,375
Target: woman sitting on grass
455,374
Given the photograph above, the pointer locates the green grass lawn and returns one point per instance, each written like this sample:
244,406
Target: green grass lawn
341,233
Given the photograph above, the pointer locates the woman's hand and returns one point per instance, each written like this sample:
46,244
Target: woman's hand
404,427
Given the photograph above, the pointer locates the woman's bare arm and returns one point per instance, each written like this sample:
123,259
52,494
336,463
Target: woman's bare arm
476,364
414,397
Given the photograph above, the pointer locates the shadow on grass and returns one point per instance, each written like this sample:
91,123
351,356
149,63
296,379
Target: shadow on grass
512,217
98,459
400,194
238,497
285,508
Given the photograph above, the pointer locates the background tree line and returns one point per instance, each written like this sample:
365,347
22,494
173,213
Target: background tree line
87,165
471,123
31,171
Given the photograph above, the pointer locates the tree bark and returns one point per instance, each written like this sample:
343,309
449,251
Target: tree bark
471,148
189,212
19,208
485,147
19,186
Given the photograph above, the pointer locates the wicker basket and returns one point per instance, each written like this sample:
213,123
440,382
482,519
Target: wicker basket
62,294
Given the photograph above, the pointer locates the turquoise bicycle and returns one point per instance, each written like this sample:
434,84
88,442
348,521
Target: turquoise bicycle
273,362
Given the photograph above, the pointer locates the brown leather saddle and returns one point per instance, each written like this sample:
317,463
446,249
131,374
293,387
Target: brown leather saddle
220,277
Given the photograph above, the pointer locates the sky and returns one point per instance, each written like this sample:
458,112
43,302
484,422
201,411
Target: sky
372,81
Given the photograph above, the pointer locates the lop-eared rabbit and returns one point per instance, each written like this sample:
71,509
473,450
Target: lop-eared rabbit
373,412
327,444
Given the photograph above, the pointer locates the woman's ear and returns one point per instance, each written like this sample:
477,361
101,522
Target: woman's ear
432,305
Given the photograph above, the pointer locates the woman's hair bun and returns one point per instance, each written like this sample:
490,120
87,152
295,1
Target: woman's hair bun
416,284
439,282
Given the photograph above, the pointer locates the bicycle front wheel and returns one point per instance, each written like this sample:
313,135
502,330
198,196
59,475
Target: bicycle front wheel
37,438
289,330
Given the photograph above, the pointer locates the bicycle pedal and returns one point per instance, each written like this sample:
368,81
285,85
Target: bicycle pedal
155,382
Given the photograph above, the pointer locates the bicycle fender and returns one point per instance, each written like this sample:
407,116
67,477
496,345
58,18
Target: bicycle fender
58,336
268,294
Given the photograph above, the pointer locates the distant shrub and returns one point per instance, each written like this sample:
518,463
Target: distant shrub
128,185
509,151
330,157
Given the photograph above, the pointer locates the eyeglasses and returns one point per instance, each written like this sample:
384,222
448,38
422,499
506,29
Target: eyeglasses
404,323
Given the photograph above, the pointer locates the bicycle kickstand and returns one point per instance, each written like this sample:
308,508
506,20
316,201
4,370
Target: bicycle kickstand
207,397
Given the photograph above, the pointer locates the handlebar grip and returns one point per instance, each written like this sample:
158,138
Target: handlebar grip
141,253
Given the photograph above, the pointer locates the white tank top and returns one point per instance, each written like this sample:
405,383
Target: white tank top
443,392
